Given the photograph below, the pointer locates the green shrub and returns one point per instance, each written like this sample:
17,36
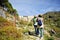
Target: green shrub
2,19
30,24
50,38
46,37
10,33
23,22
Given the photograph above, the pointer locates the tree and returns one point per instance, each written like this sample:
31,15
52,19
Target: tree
5,3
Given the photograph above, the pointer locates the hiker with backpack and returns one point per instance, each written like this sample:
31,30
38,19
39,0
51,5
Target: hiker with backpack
40,26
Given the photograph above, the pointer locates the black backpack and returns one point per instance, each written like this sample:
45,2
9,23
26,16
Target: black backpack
39,22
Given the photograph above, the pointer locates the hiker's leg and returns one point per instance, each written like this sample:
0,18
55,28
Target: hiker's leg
41,32
35,28
37,31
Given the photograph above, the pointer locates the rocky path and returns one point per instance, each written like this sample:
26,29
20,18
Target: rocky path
30,37
26,36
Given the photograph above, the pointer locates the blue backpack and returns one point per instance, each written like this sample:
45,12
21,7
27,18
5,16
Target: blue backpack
39,22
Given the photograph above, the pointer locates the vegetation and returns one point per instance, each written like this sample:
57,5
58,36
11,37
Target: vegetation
2,19
22,22
30,24
8,31
52,21
48,38
5,3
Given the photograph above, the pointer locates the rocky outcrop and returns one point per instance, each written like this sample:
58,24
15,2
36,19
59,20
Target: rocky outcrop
2,13
26,18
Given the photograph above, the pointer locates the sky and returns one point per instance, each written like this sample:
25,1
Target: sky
35,7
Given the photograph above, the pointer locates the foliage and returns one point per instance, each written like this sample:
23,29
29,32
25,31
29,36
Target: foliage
52,21
30,24
2,19
48,38
15,12
23,22
5,3
9,32
9,6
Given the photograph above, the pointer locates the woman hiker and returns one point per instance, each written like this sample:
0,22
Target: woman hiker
40,26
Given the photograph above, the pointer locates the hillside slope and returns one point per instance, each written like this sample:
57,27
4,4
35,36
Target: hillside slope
8,31
52,21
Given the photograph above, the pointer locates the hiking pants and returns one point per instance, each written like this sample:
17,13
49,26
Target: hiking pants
35,26
37,32
41,32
